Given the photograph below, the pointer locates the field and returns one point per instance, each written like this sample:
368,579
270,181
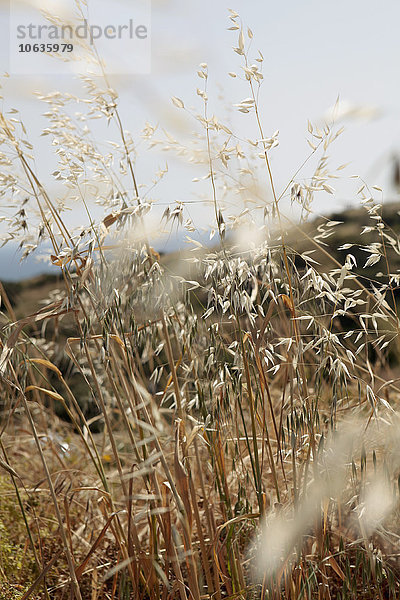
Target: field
220,422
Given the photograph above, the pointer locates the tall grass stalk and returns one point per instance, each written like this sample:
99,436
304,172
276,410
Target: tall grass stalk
221,423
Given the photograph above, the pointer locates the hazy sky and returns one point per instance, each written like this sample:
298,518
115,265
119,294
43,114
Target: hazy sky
313,50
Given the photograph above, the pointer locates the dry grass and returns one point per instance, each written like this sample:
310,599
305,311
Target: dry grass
225,427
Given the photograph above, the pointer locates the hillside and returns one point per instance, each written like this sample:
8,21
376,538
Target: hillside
358,229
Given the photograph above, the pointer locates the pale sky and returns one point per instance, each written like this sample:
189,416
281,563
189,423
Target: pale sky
314,52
